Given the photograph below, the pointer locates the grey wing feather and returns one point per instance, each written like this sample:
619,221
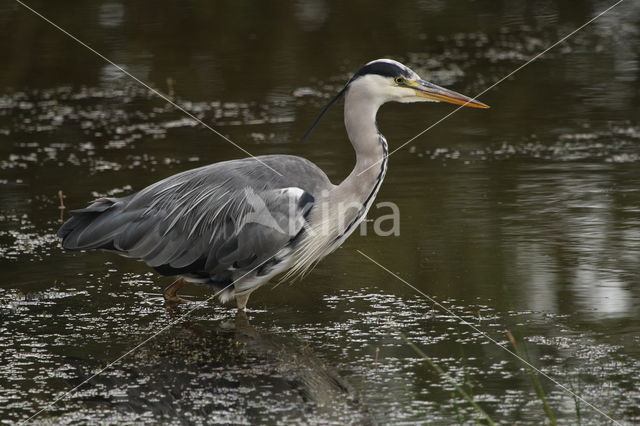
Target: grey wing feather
224,217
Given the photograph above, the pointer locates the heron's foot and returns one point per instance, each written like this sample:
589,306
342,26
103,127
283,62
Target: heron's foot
176,299
170,293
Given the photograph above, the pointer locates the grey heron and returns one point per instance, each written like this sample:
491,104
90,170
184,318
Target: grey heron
236,224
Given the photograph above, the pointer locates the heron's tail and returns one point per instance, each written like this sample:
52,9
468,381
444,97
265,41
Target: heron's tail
92,227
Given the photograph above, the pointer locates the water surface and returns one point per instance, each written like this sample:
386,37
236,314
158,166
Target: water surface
524,218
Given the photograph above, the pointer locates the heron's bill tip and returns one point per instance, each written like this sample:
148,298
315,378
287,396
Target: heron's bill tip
434,92
462,100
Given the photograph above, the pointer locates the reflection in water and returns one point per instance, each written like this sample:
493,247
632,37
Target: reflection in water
227,373
536,273
565,234
216,367
526,219
312,13
318,385
601,291
111,14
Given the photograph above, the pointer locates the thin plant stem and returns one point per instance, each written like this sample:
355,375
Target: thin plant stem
442,373
522,351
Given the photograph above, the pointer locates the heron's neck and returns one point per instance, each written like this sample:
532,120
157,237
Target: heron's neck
349,202
360,111
338,213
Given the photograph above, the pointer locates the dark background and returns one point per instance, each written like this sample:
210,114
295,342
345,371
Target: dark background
524,217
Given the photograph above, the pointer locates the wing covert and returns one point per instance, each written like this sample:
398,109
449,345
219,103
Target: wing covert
215,229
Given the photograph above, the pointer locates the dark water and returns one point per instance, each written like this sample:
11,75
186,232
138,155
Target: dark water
524,218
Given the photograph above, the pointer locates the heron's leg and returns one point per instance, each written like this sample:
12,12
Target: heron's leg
170,292
242,299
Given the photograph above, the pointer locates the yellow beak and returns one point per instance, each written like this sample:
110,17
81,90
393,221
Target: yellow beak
424,89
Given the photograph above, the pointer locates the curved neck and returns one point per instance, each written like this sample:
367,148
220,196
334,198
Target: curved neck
337,214
360,109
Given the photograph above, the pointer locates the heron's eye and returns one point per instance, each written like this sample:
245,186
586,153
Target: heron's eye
399,80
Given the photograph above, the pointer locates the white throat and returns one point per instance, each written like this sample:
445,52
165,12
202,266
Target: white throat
336,215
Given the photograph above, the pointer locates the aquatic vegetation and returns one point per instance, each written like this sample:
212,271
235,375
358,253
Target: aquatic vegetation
525,220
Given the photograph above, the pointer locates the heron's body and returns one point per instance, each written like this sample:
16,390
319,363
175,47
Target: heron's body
236,224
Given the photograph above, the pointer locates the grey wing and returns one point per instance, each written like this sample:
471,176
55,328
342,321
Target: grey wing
237,232
214,222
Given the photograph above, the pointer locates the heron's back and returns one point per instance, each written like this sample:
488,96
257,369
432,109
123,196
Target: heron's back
210,221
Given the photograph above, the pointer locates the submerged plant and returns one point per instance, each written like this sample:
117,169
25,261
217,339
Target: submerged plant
448,378
521,351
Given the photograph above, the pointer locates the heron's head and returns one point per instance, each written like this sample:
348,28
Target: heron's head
386,80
